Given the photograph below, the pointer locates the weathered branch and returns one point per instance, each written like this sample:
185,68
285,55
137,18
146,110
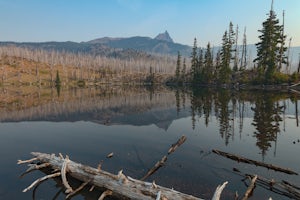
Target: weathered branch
254,162
250,188
219,190
64,176
26,161
105,194
77,189
41,180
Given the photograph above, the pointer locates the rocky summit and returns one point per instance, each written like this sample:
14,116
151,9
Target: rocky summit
164,36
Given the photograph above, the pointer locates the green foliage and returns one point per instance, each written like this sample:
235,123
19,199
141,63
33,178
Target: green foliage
208,68
270,49
194,60
295,77
178,66
280,78
81,83
57,80
150,78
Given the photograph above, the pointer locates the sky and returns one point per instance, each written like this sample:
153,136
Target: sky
84,20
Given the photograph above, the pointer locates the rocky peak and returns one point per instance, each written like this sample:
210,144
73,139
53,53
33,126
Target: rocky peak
164,37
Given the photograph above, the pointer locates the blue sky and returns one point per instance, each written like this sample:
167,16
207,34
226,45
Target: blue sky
83,20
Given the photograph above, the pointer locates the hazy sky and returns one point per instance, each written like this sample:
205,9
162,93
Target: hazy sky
83,20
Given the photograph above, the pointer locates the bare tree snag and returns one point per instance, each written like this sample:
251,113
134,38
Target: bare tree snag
120,185
254,162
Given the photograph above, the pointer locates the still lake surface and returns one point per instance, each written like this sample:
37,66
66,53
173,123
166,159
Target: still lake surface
139,125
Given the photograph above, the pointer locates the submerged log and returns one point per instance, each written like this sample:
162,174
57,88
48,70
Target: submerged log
254,162
162,161
283,187
121,186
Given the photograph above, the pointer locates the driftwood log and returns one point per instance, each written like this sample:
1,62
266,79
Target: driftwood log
119,186
254,162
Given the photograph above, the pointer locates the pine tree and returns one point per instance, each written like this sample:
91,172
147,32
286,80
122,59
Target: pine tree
217,65
225,71
269,51
200,64
57,80
183,71
208,64
194,60
178,66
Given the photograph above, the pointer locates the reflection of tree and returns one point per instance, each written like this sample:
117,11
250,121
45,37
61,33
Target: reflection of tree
294,100
201,104
266,121
224,115
177,97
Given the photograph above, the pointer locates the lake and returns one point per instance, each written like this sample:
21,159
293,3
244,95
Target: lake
139,125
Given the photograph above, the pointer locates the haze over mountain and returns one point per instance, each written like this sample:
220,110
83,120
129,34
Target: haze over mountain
136,46
161,44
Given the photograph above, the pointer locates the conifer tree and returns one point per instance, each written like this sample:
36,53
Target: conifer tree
225,71
199,69
269,47
194,60
178,66
57,80
217,65
183,71
208,64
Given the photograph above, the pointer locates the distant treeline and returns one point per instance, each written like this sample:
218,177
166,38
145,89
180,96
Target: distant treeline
39,66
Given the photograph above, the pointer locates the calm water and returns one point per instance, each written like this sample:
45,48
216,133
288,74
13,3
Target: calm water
139,125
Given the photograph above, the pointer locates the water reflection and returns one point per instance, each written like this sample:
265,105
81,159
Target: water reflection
139,122
142,106
229,108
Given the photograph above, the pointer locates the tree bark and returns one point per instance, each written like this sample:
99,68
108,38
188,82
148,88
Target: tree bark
121,186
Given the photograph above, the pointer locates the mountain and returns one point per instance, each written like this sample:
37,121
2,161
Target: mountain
116,47
161,44
164,37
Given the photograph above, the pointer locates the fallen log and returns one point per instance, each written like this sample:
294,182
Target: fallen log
119,186
254,162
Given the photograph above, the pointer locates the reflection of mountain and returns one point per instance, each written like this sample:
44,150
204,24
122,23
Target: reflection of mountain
123,107
162,118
